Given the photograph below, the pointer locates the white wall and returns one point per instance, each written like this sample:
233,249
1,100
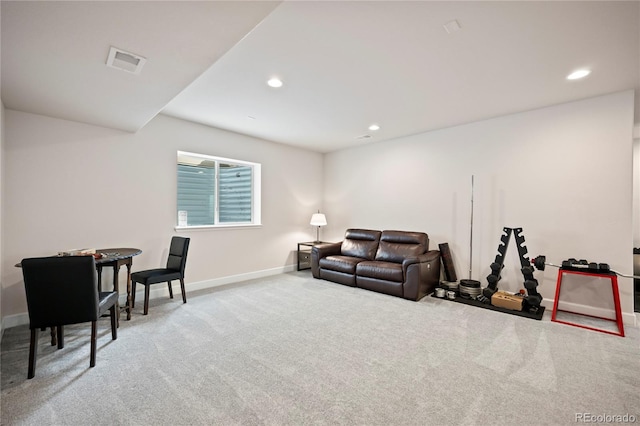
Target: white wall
1,197
636,186
71,185
2,182
562,173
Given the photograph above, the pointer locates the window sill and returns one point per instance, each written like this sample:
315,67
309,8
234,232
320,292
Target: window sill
210,227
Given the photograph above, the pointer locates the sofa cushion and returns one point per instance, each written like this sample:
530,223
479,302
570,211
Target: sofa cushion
395,246
388,271
345,264
338,277
392,288
361,243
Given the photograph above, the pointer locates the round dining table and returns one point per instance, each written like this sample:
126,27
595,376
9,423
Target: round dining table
115,258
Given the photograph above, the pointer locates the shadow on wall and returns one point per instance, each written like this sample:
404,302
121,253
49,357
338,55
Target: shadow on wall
14,301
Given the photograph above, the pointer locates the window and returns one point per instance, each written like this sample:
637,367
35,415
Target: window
214,191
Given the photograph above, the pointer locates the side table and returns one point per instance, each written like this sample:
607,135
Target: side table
304,254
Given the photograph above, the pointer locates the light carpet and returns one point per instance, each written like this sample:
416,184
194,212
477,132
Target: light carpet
292,350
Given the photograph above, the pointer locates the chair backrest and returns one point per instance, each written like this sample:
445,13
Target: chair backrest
360,243
60,290
177,259
395,246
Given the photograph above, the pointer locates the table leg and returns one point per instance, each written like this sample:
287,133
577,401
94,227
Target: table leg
116,288
99,268
129,290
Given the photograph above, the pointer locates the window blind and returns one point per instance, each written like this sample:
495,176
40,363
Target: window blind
196,193
235,193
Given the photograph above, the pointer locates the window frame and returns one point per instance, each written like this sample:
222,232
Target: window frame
256,184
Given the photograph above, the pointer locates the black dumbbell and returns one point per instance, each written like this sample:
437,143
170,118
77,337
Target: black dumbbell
527,270
539,262
496,268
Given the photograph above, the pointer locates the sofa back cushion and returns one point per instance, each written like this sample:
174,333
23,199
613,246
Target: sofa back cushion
360,243
395,246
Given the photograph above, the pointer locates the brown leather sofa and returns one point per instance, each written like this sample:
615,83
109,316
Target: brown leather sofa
397,263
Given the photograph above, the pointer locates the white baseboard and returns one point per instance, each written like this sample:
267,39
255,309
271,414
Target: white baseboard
162,291
14,320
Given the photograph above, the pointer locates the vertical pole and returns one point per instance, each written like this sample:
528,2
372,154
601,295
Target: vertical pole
471,236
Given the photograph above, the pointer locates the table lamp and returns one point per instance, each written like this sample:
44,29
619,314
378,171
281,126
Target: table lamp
318,219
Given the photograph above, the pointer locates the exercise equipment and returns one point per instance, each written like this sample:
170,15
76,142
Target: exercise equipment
540,262
450,285
583,267
498,264
469,289
472,285
447,262
616,300
533,299
471,233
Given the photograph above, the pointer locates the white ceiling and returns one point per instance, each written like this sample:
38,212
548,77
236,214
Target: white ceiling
54,54
345,65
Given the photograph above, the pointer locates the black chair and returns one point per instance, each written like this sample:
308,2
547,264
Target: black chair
61,291
174,271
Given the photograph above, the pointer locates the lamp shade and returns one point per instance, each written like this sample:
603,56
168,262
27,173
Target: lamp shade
318,219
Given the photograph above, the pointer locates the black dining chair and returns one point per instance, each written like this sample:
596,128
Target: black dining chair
62,291
176,263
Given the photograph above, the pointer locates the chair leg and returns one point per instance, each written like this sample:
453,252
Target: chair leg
146,299
117,313
133,294
60,337
94,332
33,352
184,293
170,290
114,325
54,339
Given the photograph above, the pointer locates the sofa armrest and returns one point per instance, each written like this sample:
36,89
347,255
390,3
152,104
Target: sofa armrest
429,256
421,274
322,250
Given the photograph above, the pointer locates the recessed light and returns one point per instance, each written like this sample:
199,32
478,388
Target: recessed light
578,74
374,127
274,82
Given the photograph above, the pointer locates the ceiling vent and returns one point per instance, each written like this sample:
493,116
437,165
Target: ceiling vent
125,61
363,137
